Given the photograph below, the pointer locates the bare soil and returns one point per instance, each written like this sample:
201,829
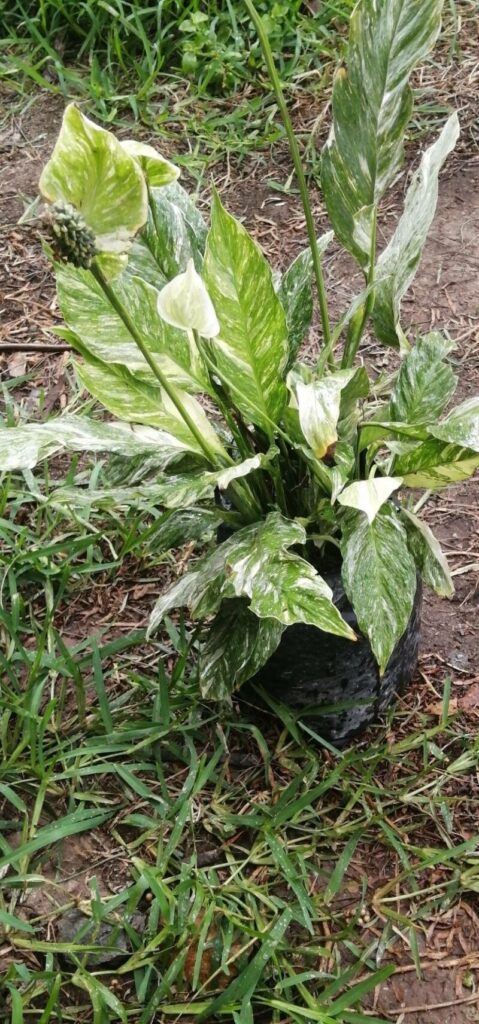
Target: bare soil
445,294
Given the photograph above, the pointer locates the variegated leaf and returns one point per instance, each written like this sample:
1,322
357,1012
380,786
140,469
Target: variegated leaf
22,447
428,555
180,490
237,646
368,496
251,351
184,303
435,464
175,231
255,563
371,107
386,430
177,596
281,585
136,401
461,426
90,169
157,169
142,263
379,576
89,314
425,383
296,295
397,265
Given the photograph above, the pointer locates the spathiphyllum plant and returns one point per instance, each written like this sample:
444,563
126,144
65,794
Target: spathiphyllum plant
190,340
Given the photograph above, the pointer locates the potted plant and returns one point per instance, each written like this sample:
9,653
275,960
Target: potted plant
301,471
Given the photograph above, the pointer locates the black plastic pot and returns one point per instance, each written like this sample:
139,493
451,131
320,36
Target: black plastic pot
312,671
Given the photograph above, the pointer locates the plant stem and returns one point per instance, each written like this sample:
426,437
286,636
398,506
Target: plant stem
296,157
359,321
173,395
221,399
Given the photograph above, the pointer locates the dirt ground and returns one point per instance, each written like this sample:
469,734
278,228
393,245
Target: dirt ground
446,295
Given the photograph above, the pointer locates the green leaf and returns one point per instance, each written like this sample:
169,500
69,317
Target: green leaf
132,399
184,303
425,383
371,107
252,350
461,426
379,576
397,265
368,496
175,231
89,315
22,447
296,295
428,555
435,464
157,169
90,169
237,646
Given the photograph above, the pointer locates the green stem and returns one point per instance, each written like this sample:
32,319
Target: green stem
279,488
221,399
359,321
303,188
171,391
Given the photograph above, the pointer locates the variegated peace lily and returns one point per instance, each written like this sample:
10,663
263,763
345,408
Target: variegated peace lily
187,338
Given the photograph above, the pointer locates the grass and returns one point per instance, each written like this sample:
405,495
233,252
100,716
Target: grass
254,872
167,61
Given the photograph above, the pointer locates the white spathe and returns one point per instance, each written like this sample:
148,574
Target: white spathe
368,495
184,302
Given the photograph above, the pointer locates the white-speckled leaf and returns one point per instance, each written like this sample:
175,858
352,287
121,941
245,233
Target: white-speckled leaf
184,303
142,263
132,399
281,585
157,169
175,231
177,596
255,563
379,576
368,496
461,426
177,491
428,555
237,646
90,169
397,265
89,314
251,351
435,464
23,447
296,295
201,590
371,107
425,383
